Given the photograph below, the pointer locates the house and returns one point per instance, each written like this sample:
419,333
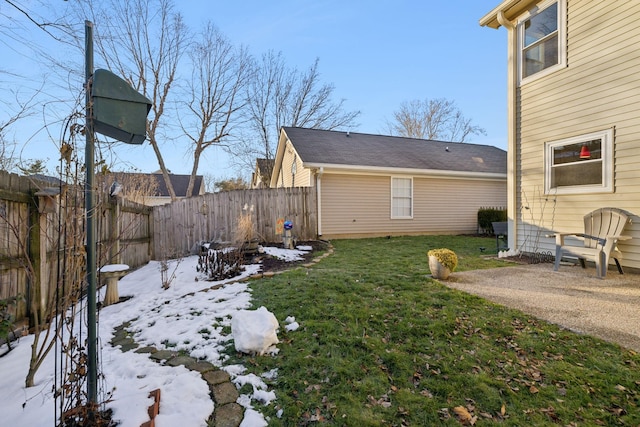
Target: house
261,176
151,190
375,185
573,106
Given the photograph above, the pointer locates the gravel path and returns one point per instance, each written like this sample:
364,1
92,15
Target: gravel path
572,297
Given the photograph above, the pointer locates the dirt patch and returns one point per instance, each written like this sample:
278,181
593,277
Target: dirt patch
271,263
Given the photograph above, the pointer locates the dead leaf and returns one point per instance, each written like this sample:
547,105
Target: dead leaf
533,389
503,410
462,413
427,393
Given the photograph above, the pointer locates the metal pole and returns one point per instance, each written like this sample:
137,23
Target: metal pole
92,362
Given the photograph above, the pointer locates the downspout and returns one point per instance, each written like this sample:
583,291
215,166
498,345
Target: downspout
319,199
512,79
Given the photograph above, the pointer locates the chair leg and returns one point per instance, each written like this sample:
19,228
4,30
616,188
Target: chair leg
619,266
601,265
558,256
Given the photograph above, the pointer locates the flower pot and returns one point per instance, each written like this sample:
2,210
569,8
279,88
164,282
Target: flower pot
438,271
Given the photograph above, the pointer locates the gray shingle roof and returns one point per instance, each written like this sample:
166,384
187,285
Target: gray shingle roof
180,184
358,149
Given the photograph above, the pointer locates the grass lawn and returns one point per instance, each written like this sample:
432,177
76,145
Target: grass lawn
380,343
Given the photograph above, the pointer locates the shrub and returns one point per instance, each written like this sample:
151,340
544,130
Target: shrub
221,264
447,257
488,215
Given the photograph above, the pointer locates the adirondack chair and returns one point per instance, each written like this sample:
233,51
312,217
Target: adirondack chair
602,231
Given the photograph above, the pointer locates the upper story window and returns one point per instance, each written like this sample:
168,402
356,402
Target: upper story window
542,40
582,164
401,198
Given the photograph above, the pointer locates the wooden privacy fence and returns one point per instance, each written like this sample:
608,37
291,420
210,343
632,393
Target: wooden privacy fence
42,239
180,226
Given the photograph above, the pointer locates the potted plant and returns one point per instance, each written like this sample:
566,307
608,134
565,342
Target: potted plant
442,262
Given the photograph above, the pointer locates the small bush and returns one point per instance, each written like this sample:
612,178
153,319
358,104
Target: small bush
488,215
447,257
221,264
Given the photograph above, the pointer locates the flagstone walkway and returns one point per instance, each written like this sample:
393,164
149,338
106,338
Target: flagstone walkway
226,413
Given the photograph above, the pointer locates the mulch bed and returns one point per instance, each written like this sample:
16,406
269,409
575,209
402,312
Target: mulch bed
532,258
272,264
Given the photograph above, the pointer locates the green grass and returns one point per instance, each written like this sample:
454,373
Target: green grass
380,343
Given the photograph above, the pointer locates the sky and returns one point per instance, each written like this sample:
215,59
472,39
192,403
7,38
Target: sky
376,54
185,399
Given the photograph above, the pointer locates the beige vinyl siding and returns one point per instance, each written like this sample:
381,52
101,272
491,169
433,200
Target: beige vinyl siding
360,205
598,90
302,176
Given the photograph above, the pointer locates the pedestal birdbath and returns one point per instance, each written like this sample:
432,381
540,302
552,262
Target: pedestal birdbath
111,274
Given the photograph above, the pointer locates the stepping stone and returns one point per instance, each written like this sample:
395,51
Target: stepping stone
180,360
163,355
201,366
216,377
224,393
125,344
146,350
229,415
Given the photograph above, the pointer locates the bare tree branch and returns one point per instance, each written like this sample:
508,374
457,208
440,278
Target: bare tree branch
281,96
143,41
432,119
215,98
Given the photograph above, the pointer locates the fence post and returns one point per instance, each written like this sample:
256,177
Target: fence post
36,293
38,285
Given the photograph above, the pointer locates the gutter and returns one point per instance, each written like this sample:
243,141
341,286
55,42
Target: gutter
380,170
509,9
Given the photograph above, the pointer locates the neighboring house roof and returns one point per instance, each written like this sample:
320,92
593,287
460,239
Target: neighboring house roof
264,168
180,184
51,180
322,148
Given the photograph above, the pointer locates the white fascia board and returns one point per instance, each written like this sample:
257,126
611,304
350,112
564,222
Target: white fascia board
378,170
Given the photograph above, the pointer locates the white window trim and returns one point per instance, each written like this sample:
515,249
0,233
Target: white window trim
562,37
410,178
606,136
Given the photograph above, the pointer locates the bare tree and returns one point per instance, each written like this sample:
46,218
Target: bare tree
215,97
143,41
11,113
282,96
432,119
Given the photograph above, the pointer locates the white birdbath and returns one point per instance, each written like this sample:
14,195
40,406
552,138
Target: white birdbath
111,274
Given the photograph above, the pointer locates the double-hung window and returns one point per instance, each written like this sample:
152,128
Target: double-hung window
542,40
582,164
401,198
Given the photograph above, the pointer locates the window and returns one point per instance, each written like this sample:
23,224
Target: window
541,40
582,164
401,198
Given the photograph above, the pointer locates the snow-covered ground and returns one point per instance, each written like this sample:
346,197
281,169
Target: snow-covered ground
182,317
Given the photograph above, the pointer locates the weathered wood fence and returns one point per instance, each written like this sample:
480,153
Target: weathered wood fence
42,231
180,226
42,238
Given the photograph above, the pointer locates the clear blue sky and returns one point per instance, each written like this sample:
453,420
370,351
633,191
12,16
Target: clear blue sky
377,54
